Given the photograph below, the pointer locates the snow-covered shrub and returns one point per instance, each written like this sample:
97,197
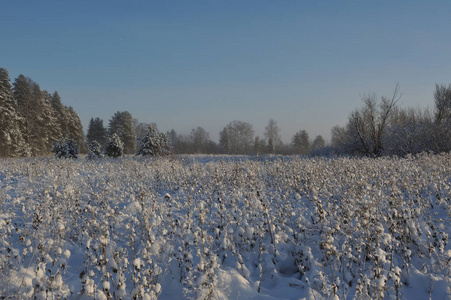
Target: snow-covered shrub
153,143
114,147
95,150
65,148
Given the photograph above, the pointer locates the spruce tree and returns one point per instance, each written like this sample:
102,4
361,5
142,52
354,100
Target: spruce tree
23,94
39,127
114,147
65,148
128,133
50,118
46,128
11,140
68,120
75,128
96,131
95,150
122,124
153,143
115,124
61,114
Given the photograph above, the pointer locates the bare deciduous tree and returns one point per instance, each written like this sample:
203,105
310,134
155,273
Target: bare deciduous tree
367,126
441,130
272,134
237,138
200,140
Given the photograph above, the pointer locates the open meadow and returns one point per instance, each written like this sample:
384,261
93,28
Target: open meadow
207,227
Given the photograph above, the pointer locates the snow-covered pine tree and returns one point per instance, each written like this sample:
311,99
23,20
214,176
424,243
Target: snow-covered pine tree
65,148
75,128
23,94
121,123
115,124
11,140
153,143
48,122
60,113
39,126
114,147
95,150
128,136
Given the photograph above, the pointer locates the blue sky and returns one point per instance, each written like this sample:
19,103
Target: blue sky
183,64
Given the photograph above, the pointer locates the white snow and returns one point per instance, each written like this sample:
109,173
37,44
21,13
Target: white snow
226,228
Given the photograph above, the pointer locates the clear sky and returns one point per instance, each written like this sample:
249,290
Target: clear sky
183,64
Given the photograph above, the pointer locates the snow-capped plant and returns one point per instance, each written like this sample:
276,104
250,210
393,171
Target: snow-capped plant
95,150
65,148
153,143
226,227
114,147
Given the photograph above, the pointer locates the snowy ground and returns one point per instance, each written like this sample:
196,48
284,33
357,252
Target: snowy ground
226,227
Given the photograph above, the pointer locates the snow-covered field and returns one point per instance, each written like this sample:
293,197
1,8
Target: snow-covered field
227,228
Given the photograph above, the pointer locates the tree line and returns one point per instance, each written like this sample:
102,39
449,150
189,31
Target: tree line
32,120
380,127
237,137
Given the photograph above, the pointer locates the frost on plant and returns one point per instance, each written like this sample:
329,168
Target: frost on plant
335,228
